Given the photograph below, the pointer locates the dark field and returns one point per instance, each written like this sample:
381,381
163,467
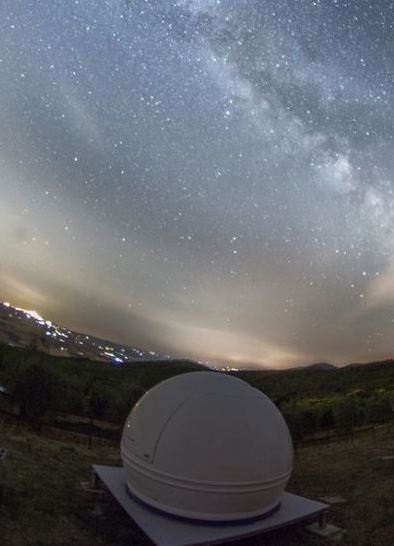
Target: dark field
43,502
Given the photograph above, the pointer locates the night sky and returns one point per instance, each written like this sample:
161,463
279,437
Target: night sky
205,178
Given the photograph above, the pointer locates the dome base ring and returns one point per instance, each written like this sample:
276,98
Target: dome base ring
198,517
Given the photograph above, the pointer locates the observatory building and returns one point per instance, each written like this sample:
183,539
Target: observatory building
207,446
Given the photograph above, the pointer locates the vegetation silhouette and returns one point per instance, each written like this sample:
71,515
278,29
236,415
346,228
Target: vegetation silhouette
312,400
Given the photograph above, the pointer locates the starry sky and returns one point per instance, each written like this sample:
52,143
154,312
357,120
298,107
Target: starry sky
204,178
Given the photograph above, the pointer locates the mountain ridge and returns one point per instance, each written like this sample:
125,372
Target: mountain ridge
27,329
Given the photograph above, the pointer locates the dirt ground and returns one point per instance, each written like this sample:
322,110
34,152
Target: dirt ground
43,502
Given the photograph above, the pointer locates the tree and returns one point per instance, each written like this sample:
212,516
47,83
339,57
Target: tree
349,413
379,407
126,399
35,391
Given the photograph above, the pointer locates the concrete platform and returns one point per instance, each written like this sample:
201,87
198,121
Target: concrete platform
334,499
164,530
327,531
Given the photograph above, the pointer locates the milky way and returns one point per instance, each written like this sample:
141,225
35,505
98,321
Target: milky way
210,179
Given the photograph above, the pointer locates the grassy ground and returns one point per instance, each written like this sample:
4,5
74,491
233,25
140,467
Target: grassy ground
44,504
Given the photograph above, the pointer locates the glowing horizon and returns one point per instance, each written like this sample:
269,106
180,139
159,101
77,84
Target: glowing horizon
205,179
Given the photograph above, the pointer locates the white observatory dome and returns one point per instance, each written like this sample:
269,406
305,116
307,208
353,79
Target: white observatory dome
207,446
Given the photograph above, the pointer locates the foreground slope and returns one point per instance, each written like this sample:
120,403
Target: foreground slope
44,504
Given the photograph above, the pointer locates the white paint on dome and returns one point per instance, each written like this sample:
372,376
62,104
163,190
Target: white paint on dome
208,446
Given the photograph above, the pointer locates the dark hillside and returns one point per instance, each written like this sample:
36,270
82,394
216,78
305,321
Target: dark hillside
86,387
312,381
35,385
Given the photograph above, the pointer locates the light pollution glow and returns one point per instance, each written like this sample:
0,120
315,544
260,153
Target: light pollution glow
199,178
